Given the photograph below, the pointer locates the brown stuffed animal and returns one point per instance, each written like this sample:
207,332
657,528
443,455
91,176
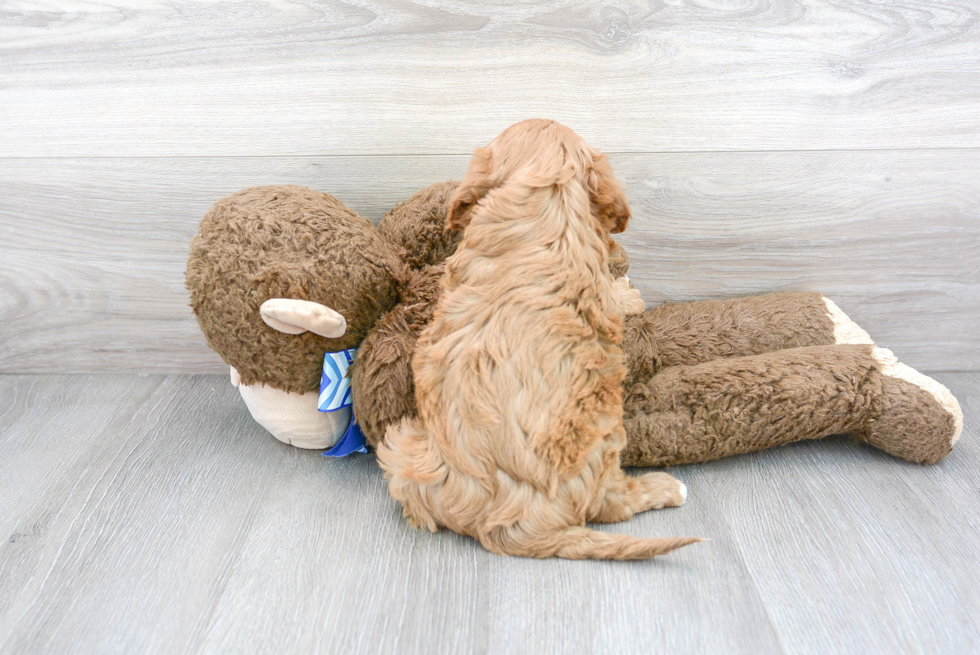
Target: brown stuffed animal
278,276
707,379
281,275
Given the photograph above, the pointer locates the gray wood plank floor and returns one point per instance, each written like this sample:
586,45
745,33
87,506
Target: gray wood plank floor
150,514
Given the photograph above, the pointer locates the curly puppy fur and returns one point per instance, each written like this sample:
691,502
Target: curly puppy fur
286,242
518,377
382,385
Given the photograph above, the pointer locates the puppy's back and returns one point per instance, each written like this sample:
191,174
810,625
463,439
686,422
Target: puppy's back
518,377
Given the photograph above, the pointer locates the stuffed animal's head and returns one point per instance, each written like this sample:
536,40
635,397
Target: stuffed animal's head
280,275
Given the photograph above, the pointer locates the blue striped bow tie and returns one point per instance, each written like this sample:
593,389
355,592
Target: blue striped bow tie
334,383
334,395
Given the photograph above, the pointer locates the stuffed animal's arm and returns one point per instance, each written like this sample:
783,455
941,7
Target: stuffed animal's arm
382,385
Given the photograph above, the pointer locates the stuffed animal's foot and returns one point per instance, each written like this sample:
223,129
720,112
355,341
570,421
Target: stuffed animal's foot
918,419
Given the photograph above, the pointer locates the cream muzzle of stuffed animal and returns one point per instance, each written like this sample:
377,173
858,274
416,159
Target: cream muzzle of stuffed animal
317,419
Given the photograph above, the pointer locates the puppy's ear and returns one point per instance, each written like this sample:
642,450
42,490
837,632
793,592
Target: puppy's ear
608,198
473,187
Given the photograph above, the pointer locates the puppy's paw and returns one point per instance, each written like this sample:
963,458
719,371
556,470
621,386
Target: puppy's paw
661,490
628,299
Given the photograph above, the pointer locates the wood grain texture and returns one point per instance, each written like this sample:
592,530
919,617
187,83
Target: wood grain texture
151,515
893,238
126,78
866,526
93,254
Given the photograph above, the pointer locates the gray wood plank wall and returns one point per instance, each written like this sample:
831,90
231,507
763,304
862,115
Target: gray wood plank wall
778,145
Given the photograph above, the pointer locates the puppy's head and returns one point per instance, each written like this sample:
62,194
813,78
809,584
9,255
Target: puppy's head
540,153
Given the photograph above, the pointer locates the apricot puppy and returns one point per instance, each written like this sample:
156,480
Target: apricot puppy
518,377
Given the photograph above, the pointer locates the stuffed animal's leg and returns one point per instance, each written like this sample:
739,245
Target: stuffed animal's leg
727,407
628,495
675,334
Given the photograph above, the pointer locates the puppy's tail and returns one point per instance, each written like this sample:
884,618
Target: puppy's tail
585,543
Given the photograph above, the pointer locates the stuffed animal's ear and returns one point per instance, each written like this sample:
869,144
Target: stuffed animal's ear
608,198
473,187
292,316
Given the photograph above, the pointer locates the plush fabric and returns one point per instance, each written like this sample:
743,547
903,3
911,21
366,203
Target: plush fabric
700,412
288,242
293,418
681,346
418,227
291,242
382,385
702,331
913,415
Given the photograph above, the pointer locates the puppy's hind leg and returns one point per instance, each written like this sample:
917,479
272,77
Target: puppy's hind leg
625,496
415,470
